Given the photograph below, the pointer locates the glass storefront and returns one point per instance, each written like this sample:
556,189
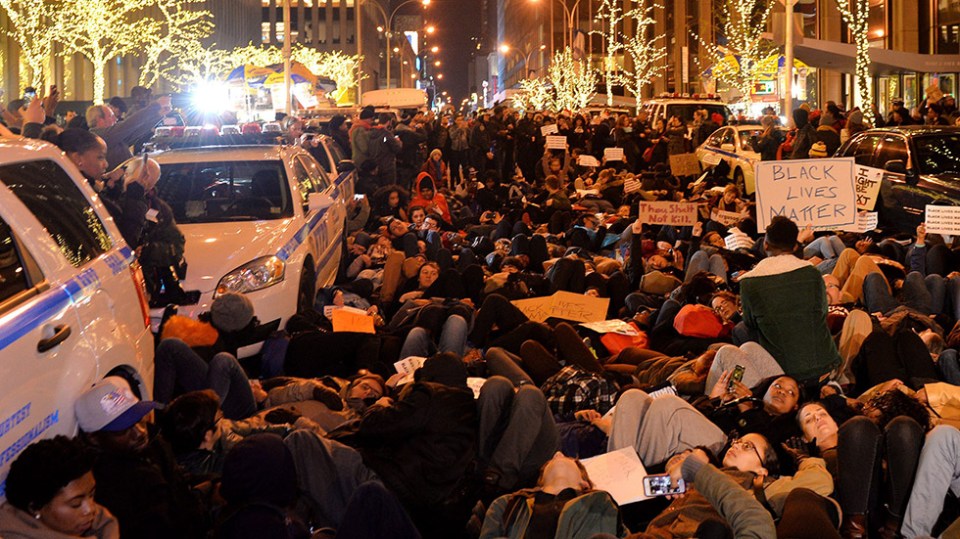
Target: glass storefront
948,27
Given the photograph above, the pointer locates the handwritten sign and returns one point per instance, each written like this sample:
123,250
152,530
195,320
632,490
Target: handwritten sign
817,192
631,185
555,142
475,384
588,161
613,154
668,213
618,472
866,221
684,164
934,92
348,321
566,306
738,240
612,326
942,219
549,129
725,218
867,185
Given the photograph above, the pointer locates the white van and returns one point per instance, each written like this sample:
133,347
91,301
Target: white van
73,306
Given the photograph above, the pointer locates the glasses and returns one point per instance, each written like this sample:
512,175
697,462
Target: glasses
748,445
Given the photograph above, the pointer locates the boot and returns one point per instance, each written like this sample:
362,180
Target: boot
854,526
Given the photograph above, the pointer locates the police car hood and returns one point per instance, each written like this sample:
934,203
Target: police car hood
215,249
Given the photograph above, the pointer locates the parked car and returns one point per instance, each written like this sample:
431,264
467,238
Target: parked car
73,305
922,165
733,144
263,220
683,106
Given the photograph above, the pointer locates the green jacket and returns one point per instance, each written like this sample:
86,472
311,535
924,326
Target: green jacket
590,513
785,304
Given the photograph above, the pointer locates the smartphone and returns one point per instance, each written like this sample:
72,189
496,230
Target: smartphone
735,376
659,485
28,96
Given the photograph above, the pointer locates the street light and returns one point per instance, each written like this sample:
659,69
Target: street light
440,76
437,63
505,49
569,16
388,24
431,29
435,49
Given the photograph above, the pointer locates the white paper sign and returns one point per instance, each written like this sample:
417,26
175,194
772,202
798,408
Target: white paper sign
631,185
612,326
866,221
867,183
549,129
475,383
668,213
555,142
725,218
588,161
613,154
942,219
408,365
817,192
738,240
620,473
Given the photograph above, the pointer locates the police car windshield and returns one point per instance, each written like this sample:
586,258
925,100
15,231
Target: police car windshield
938,154
211,192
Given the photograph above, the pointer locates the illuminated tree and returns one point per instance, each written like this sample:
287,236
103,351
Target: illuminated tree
738,64
341,68
647,52
180,31
101,30
574,81
256,55
197,64
30,27
534,94
856,13
609,15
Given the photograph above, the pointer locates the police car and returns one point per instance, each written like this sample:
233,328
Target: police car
263,220
73,306
733,144
683,106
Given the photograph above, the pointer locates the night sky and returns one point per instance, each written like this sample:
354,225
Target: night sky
456,21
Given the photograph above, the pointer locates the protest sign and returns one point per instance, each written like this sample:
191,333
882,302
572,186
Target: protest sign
726,218
565,305
407,366
738,240
866,221
631,185
934,92
684,164
815,192
555,142
942,219
588,161
668,213
613,154
620,473
349,321
549,129
612,326
867,184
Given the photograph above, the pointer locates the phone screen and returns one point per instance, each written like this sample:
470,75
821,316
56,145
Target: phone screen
659,485
736,376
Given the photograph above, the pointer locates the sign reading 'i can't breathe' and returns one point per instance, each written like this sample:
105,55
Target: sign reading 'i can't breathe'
815,192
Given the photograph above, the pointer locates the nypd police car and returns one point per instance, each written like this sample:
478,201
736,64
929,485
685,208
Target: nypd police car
733,144
73,307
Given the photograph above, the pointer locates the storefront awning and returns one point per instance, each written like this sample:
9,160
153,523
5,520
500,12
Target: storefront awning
842,57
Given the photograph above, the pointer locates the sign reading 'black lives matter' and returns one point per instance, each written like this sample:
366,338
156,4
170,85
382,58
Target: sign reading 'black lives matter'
815,192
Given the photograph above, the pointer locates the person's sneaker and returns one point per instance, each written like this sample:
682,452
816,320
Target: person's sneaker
669,390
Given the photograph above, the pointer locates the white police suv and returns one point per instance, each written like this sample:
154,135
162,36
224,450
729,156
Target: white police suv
73,306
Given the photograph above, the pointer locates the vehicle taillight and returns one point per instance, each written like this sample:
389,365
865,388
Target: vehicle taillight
141,286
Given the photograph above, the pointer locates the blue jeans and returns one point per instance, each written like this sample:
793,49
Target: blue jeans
953,290
924,294
180,370
826,247
453,338
938,472
702,261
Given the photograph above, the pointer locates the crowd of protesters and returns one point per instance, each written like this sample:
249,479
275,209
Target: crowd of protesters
801,384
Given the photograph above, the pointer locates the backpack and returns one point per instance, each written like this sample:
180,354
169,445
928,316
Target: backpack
573,389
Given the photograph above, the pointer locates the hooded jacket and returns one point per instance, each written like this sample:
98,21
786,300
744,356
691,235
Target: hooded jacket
437,204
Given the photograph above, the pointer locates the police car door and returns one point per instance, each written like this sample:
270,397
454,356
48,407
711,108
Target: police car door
331,222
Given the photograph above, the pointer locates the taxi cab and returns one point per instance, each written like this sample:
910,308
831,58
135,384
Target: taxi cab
264,220
73,305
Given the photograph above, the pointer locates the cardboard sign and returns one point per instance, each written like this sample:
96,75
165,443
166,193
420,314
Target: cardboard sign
816,192
631,185
934,92
565,305
613,154
588,161
618,472
725,218
684,164
867,185
866,221
555,142
549,129
668,213
348,321
942,219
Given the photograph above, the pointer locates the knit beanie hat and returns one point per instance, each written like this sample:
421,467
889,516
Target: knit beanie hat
855,118
818,150
231,312
827,119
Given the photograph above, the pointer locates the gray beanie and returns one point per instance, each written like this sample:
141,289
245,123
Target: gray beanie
855,118
231,312
827,119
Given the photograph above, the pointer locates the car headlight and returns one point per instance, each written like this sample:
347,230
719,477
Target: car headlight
254,275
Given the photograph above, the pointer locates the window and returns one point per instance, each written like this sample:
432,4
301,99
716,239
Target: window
938,154
726,137
304,182
50,194
217,192
13,275
862,151
892,148
715,138
320,180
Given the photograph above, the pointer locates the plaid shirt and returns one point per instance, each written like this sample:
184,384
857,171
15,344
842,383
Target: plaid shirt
573,389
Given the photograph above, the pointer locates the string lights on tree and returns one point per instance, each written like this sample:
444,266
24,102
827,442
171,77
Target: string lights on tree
181,28
856,13
739,63
647,52
609,15
30,28
197,64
